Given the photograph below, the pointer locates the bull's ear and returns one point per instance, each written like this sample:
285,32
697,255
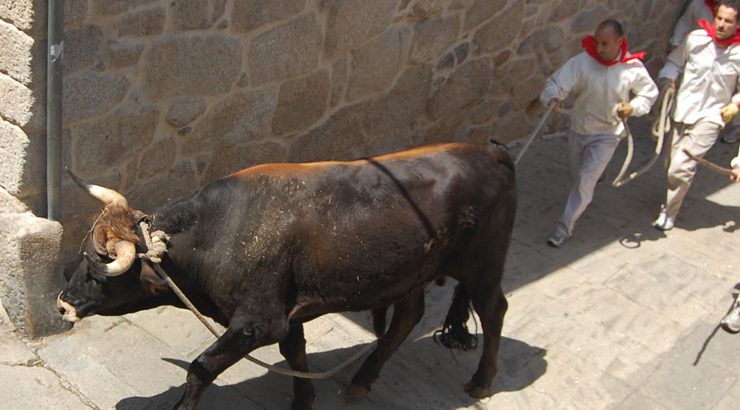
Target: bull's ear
153,284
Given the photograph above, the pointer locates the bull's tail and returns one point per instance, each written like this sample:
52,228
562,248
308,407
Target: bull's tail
454,333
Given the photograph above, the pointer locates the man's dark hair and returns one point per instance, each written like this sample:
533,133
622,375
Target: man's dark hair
733,4
615,25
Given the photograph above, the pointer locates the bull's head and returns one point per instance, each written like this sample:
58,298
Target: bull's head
110,280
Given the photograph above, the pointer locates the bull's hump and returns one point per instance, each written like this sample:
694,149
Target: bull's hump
288,168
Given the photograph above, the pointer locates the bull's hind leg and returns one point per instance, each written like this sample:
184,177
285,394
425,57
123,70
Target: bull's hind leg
293,348
406,314
491,308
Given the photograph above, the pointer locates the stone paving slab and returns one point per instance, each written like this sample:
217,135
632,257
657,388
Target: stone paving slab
35,388
14,352
613,320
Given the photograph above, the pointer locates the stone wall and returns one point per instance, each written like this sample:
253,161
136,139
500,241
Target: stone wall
162,96
22,108
30,274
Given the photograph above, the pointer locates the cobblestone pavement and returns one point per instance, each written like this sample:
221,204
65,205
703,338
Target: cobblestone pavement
613,320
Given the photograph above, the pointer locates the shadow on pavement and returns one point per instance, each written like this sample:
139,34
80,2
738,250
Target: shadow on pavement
440,386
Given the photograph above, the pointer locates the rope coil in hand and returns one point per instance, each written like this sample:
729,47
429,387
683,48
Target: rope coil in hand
660,128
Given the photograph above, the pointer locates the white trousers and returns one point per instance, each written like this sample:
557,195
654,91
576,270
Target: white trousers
697,139
589,156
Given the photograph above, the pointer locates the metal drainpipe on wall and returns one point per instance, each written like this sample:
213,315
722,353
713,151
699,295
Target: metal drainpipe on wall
54,73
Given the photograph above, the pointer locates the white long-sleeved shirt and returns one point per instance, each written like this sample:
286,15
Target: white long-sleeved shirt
710,78
695,11
598,90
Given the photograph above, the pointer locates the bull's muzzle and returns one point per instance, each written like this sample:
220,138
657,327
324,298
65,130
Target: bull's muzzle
69,312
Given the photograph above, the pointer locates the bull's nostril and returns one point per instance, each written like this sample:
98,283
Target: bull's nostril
68,299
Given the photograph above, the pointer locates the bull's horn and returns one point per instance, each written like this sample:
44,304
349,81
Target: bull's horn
125,255
106,195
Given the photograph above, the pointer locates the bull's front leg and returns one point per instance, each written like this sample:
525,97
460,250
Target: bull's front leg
241,337
293,348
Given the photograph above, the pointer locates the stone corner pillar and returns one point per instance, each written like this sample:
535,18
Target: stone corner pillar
31,273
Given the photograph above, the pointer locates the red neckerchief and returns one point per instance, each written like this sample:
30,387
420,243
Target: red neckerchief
589,45
712,6
722,43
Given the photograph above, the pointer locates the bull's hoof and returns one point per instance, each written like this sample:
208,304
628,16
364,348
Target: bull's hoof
478,392
301,405
354,390
456,338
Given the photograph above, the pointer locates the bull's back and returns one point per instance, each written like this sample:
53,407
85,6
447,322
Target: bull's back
488,153
359,234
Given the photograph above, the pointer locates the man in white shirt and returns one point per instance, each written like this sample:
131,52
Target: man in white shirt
707,99
699,10
601,79
695,11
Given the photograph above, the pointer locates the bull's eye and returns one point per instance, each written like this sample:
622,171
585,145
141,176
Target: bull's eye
94,274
